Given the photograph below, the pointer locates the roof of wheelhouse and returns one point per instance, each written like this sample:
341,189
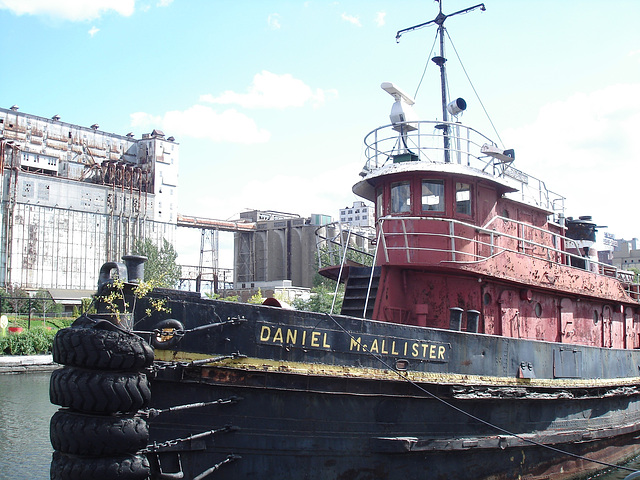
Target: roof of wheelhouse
366,188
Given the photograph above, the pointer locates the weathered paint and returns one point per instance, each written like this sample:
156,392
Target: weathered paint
514,272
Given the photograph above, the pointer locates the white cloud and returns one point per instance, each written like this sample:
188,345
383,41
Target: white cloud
270,90
164,3
351,19
275,190
74,10
273,20
586,148
201,121
380,19
93,31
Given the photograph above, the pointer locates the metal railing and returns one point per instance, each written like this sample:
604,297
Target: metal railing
465,248
423,141
337,242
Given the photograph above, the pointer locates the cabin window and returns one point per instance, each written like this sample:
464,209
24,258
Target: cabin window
433,195
379,205
486,299
538,309
463,198
400,197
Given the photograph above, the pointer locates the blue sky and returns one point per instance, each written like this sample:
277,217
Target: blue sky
270,100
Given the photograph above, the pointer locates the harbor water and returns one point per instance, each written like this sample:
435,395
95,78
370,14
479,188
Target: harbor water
25,411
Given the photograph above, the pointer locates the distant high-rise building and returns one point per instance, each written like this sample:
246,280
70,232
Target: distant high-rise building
359,215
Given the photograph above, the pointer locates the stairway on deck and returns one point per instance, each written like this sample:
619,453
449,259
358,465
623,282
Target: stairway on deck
355,292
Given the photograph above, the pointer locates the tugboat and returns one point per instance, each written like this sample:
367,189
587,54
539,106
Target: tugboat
491,344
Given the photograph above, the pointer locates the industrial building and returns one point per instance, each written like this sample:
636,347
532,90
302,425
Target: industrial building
74,197
282,246
626,254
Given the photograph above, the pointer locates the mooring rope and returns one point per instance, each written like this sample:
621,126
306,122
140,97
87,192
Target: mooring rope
463,412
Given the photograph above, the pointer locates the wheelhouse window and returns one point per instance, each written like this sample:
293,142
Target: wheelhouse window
463,198
433,195
400,197
379,204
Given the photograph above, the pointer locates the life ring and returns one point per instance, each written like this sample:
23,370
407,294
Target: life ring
167,333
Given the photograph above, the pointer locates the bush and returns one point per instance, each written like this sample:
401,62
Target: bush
36,341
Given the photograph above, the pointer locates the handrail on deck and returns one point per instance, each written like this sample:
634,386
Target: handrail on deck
423,141
338,241
547,252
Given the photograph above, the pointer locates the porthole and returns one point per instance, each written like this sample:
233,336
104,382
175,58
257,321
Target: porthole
538,309
486,299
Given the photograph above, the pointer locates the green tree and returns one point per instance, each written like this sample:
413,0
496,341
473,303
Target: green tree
87,305
15,300
42,303
228,298
5,306
321,299
161,267
256,297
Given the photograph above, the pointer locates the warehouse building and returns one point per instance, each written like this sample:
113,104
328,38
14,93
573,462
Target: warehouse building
74,197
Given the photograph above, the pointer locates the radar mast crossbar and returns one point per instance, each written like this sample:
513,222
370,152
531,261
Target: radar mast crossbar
440,61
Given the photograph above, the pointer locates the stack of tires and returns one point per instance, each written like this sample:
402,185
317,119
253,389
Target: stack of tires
99,432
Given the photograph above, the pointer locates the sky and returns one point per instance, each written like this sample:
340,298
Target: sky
270,100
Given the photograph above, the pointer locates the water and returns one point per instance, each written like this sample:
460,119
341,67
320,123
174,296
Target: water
618,474
25,411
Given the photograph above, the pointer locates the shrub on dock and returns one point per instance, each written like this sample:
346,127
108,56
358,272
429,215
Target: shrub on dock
36,341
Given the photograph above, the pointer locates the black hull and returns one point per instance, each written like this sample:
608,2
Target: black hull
278,433
360,399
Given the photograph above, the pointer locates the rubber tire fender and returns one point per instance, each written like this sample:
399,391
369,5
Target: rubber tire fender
104,392
166,325
97,435
101,349
120,467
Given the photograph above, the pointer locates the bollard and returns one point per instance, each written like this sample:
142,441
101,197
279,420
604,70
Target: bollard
106,271
455,318
472,320
135,267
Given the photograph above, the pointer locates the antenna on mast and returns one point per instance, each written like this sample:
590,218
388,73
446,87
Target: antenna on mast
440,60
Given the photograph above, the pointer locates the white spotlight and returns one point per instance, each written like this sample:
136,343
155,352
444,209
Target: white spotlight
457,106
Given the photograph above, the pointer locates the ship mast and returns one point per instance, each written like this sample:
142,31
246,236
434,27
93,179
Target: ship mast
440,60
